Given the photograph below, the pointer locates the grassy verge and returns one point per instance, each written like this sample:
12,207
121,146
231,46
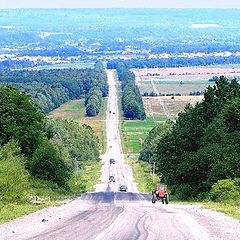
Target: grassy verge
9,212
142,173
75,110
86,178
228,209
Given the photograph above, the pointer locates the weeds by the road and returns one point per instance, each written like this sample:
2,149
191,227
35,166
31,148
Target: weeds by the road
11,211
228,209
142,173
85,180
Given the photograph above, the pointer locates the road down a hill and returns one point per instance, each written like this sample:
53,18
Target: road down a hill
108,214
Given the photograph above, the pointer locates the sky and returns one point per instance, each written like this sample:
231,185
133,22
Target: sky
119,3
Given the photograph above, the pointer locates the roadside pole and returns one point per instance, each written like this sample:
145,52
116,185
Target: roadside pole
153,174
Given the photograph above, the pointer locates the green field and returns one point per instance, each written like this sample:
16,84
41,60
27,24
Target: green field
135,130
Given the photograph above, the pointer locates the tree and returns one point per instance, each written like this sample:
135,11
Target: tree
203,146
14,185
20,120
47,164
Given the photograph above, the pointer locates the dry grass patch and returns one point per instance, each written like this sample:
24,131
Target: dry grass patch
166,106
180,80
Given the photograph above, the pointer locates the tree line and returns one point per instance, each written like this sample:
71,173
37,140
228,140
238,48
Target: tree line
132,103
37,149
200,152
174,62
48,89
94,97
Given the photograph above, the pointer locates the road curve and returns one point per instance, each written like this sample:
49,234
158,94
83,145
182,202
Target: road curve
108,214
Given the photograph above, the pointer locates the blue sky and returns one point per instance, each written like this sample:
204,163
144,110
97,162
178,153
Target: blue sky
119,3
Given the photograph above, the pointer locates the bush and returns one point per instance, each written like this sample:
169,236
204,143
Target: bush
47,164
78,187
184,191
226,190
14,185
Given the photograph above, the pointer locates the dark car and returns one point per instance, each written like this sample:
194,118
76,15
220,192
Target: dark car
123,188
112,161
111,179
113,112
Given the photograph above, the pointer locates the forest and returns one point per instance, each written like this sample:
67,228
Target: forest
132,103
48,89
174,62
201,150
36,152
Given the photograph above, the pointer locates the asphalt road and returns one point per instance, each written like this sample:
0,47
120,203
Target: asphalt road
121,171
108,214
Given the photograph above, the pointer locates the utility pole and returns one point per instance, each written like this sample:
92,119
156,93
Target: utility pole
153,173
76,171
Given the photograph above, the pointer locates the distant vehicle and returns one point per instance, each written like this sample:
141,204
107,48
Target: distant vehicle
110,146
109,111
160,193
113,112
112,161
123,188
111,179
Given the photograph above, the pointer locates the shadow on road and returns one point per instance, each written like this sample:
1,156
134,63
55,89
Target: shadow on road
111,197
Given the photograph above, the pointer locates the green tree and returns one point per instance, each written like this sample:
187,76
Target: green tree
47,164
14,185
19,120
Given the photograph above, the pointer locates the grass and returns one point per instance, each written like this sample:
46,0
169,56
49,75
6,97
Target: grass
9,212
161,82
133,131
75,110
172,107
194,79
88,176
91,174
228,209
142,174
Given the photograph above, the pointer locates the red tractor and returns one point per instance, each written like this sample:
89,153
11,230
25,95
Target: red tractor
160,193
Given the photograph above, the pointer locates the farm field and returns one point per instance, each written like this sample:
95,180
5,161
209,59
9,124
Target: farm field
135,130
75,110
158,109
180,80
166,107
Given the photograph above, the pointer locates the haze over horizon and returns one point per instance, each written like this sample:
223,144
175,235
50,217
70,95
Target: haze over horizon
119,4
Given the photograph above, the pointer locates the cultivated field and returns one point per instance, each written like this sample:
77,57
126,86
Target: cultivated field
180,80
166,107
75,110
135,130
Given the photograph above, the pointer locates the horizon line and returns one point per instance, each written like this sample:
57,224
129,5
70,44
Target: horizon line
11,8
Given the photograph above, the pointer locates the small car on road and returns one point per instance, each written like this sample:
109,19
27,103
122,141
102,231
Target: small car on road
123,188
112,161
111,178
